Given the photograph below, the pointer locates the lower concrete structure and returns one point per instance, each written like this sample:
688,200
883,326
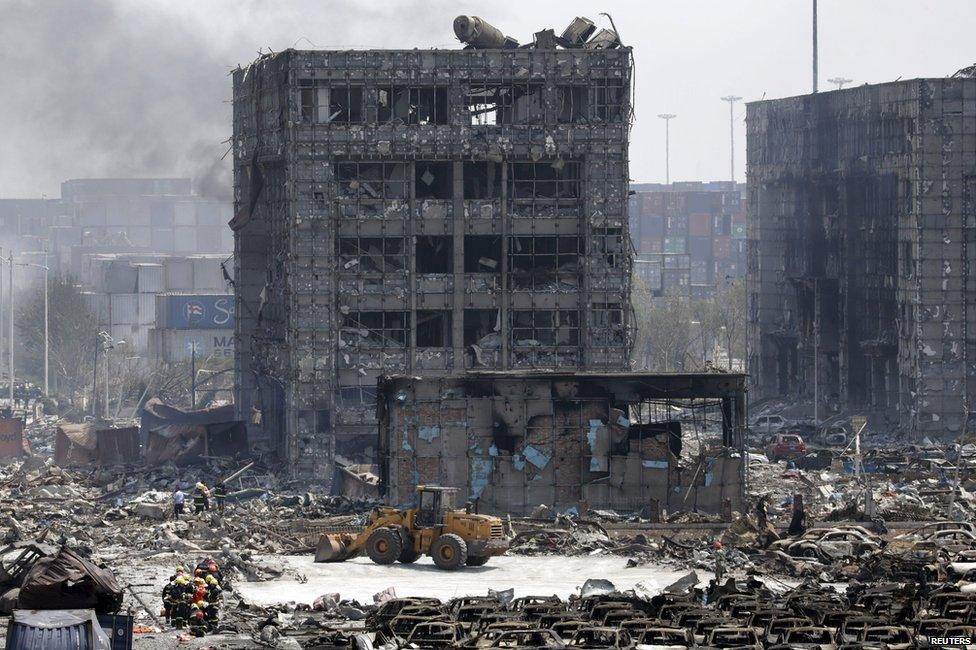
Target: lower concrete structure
515,440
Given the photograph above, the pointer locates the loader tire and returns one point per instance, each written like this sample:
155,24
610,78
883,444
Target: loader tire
449,552
407,555
384,545
478,561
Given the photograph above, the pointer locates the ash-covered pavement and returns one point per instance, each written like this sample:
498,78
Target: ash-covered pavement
359,578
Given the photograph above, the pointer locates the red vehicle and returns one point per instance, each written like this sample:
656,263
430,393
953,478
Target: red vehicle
784,446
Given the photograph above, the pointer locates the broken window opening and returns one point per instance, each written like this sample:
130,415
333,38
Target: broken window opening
379,329
492,104
331,105
482,327
608,244
434,180
608,95
372,180
323,421
545,327
482,180
434,254
434,329
372,254
307,102
556,179
536,262
607,323
482,254
354,396
318,199
573,102
424,105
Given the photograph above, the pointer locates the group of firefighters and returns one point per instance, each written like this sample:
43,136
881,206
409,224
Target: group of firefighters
202,496
193,601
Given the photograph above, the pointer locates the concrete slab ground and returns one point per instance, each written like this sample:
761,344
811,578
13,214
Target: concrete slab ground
360,578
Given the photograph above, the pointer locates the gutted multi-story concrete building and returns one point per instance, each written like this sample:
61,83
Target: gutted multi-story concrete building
424,212
862,242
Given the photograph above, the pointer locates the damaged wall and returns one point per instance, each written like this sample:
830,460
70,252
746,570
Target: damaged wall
861,243
515,440
426,212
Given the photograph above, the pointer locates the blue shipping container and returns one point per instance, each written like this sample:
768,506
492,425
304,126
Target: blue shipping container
200,311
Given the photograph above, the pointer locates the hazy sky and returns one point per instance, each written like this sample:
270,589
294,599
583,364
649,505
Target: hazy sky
113,87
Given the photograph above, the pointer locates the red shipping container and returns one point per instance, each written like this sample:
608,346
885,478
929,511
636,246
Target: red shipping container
13,442
649,204
700,224
647,244
722,248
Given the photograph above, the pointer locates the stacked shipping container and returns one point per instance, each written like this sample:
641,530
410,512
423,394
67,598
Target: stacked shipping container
688,236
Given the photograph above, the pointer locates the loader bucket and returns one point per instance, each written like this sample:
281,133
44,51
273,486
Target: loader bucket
334,548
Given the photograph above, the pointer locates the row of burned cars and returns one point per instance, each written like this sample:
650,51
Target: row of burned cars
910,592
734,615
939,550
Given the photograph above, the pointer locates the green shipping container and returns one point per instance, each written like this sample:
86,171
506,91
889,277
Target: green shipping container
738,231
675,245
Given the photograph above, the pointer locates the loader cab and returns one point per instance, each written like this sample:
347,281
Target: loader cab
432,503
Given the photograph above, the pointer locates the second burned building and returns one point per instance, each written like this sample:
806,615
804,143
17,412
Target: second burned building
424,212
862,250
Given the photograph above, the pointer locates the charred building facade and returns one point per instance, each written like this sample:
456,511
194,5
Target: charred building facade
427,213
862,244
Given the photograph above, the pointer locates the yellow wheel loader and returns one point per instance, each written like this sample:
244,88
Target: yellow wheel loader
453,538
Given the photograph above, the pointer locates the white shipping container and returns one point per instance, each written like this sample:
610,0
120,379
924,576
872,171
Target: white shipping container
152,278
94,269
185,213
136,339
207,274
227,239
162,239
139,340
98,304
120,277
185,239
139,236
179,274
124,309
147,309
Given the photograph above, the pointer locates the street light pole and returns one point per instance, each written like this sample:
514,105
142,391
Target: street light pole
815,46
94,398
10,324
47,335
731,99
105,360
667,117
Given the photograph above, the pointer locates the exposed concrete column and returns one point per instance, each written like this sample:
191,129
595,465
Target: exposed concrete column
504,304
457,308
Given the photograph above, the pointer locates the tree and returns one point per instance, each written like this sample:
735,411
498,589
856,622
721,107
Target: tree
707,322
731,298
663,335
73,327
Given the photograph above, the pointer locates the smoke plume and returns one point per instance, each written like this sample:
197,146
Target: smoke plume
103,88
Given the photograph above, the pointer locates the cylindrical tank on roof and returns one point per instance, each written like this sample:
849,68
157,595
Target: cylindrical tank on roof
478,33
